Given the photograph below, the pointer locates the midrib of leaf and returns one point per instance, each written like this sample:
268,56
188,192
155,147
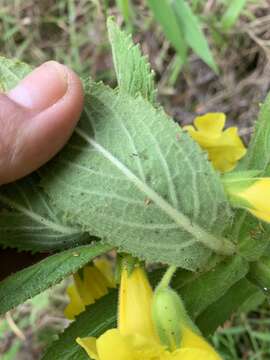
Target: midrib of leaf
219,245
50,224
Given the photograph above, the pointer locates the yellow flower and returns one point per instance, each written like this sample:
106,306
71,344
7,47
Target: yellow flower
90,284
253,194
258,195
224,148
135,337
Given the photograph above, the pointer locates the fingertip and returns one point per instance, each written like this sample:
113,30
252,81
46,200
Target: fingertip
47,104
51,128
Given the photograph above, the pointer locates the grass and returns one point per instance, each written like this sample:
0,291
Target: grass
246,337
73,32
32,326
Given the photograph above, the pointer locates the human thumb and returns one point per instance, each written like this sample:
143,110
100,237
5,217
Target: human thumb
36,119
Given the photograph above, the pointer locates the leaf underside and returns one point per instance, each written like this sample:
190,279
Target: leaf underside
131,177
133,72
29,222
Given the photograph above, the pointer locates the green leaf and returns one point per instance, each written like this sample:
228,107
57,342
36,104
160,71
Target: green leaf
131,177
193,33
251,235
11,72
232,13
165,16
28,221
125,8
258,153
31,281
216,314
133,72
252,302
260,273
212,285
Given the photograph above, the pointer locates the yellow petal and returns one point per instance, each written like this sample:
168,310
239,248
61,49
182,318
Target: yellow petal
258,195
76,306
92,285
135,301
193,354
90,346
105,267
113,346
224,158
84,289
95,282
265,216
210,124
224,148
192,340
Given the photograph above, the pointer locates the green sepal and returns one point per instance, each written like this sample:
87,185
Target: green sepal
237,182
170,317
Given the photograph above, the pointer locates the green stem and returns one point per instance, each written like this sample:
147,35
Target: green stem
167,277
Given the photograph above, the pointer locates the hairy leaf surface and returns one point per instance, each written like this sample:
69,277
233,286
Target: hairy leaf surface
133,71
131,177
29,222
31,281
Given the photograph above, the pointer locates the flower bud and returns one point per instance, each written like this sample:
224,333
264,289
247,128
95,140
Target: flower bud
170,317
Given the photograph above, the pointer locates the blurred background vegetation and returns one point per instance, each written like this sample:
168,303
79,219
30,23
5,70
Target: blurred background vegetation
221,64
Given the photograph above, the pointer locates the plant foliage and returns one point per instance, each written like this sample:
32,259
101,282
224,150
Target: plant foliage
132,180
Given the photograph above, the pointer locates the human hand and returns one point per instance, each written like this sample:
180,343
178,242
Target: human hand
36,120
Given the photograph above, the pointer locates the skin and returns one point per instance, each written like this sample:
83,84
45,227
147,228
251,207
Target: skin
37,118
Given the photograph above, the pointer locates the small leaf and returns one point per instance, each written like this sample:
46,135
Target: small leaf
31,281
28,221
232,13
133,72
131,177
193,33
258,154
165,16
